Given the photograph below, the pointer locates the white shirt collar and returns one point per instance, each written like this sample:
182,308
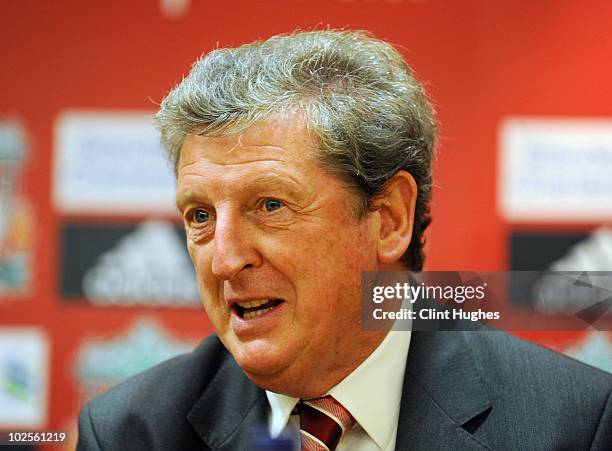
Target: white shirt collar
376,408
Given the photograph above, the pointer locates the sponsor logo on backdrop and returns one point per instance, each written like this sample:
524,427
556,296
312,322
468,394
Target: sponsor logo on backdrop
595,349
594,253
128,265
570,272
23,377
173,9
149,264
104,362
555,170
584,261
110,163
15,212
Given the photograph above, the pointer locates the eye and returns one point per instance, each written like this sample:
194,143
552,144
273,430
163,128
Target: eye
272,204
200,216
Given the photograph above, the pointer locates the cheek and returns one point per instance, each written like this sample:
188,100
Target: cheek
331,275
352,247
199,258
207,283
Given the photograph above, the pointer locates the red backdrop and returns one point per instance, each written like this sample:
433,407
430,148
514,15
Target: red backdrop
481,60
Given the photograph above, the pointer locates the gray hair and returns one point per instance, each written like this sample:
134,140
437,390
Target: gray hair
369,114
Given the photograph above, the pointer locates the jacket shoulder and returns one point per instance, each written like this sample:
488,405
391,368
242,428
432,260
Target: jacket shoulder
503,357
152,406
552,398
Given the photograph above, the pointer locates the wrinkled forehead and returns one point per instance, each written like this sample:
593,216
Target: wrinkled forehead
270,155
288,132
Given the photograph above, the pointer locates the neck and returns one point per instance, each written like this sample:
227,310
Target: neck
314,382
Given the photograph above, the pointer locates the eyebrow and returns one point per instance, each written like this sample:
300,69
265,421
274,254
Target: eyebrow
262,183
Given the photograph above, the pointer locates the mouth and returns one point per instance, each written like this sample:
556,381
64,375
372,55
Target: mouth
257,307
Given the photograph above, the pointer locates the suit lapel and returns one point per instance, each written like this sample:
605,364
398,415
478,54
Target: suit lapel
443,397
231,411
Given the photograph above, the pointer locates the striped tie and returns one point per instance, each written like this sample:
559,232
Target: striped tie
322,423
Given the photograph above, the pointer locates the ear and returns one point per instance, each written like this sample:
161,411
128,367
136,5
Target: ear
396,207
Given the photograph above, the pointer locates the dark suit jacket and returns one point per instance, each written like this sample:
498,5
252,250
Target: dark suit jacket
462,391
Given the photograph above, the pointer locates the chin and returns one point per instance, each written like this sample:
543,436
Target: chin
260,359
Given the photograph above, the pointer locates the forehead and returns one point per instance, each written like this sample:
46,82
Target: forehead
282,138
278,153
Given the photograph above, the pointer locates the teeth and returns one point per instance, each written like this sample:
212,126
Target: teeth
255,303
249,315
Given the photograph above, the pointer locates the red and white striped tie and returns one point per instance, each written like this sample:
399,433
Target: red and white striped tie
322,423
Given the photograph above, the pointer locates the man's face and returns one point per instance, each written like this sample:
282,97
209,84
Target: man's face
278,253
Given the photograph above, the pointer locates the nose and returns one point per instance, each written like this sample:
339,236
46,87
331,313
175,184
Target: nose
233,246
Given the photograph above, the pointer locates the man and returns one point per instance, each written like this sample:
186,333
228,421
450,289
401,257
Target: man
301,162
